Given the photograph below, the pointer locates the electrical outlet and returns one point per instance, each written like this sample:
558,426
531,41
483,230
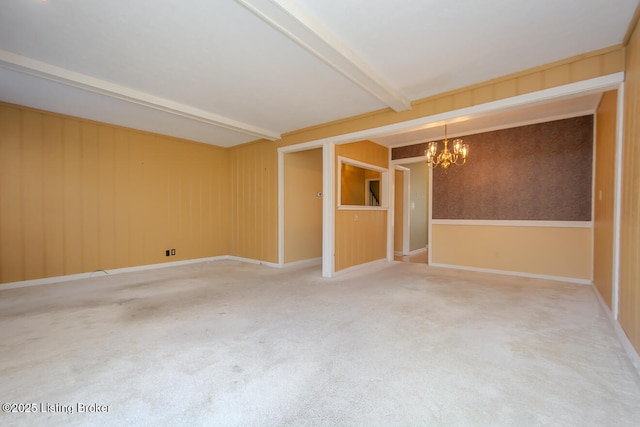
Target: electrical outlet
173,251
166,252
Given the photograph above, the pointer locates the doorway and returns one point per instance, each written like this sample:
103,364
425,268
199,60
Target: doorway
411,211
302,202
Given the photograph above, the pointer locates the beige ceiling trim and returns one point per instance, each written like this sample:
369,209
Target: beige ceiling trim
50,72
290,20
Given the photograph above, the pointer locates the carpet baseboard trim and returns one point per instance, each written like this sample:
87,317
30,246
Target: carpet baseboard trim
360,267
515,273
71,277
419,251
303,262
633,355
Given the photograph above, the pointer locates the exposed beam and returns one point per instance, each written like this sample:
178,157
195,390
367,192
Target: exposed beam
50,72
290,20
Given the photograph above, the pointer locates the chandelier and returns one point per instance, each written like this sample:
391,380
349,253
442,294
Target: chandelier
446,158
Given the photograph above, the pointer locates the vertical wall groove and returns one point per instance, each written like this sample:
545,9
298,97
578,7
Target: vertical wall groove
629,293
78,196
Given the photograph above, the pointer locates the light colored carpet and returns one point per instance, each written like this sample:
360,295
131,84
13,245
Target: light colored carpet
227,343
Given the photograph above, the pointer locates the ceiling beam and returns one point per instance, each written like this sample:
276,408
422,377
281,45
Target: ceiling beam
50,72
290,20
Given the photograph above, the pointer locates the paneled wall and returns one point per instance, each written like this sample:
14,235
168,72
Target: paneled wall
629,304
254,201
603,216
360,235
78,196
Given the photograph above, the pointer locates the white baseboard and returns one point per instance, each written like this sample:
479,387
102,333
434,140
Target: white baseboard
419,251
416,252
367,266
633,355
71,277
311,261
253,261
514,273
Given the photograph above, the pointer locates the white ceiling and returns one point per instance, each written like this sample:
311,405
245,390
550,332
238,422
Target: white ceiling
226,72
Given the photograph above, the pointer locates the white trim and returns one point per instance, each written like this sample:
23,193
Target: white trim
510,125
418,251
281,211
610,81
515,223
406,209
384,185
358,163
360,267
328,209
631,352
362,208
72,277
253,261
286,17
311,261
56,74
514,273
617,204
304,146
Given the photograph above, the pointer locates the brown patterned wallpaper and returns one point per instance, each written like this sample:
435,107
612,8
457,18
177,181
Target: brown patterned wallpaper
534,172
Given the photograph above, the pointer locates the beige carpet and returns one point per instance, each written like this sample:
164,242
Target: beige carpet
226,343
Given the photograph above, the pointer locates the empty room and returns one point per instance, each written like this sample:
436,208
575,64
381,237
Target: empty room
336,213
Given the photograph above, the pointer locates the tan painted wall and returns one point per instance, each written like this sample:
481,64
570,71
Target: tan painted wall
361,235
78,196
629,297
603,227
564,252
254,201
302,206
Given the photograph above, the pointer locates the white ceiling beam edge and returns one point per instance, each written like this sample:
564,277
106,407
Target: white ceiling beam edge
290,20
53,73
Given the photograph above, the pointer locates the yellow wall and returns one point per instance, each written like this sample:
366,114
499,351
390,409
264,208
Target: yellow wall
254,201
251,193
302,206
78,196
360,235
548,251
629,296
603,228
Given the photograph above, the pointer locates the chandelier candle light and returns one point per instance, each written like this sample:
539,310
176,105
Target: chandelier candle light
446,158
